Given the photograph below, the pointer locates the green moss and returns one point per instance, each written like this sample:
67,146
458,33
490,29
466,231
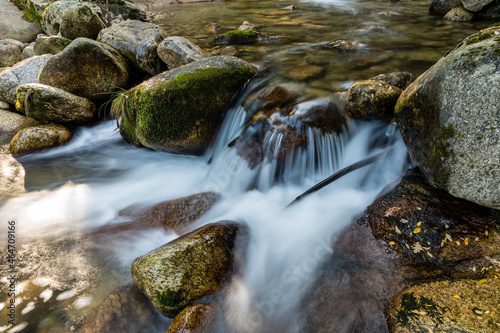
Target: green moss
411,306
170,298
494,25
478,38
30,12
241,33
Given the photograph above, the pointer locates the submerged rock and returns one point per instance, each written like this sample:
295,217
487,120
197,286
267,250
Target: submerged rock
79,20
187,269
449,119
196,318
26,71
178,51
239,37
53,105
39,137
180,110
86,68
137,41
50,44
306,73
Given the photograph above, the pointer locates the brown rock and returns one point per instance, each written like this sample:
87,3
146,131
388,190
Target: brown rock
39,137
196,318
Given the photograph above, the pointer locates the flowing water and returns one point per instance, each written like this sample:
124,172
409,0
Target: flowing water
57,196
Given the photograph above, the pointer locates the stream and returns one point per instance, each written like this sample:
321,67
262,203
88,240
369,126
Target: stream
57,197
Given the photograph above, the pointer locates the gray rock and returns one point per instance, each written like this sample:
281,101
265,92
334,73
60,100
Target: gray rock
459,14
476,5
442,7
26,71
28,52
4,105
79,20
137,41
11,123
50,44
86,68
53,105
39,137
177,51
10,54
12,24
53,14
11,41
188,268
449,119
491,12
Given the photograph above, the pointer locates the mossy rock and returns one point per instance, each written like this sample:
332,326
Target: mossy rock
39,137
79,20
50,44
52,15
86,68
10,54
196,318
53,105
449,119
180,110
239,37
187,269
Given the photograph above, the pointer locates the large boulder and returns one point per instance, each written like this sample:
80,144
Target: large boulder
441,7
187,269
180,110
86,68
50,44
449,119
476,5
12,24
39,137
79,20
53,105
177,51
137,41
26,71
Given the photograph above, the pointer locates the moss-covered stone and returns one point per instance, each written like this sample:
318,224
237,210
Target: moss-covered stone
79,20
39,137
180,110
187,269
50,44
239,37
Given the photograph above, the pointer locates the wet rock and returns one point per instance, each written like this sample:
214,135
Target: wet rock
459,14
12,24
212,27
126,309
341,45
39,137
246,26
467,306
178,51
28,52
53,105
138,42
491,12
239,37
376,97
198,94
26,71
475,5
79,20
433,234
174,215
50,44
10,54
187,269
443,6
86,68
305,73
196,318
457,150
11,123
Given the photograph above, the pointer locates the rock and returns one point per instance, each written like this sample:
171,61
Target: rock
4,105
11,123
465,306
246,26
431,233
341,45
11,41
198,94
441,7
174,215
39,137
13,26
239,37
52,17
178,51
50,44
459,14
26,71
305,73
187,269
86,68
126,9
28,52
492,12
212,27
196,318
449,120
376,97
126,310
53,105
475,5
79,20
137,41
10,54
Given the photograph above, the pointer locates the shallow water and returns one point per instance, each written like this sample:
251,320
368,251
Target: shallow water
57,196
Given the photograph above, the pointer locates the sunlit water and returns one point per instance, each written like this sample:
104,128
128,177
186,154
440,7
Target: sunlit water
83,185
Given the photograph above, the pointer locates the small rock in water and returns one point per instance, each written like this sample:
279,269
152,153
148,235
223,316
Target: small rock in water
341,45
39,137
246,26
212,27
305,73
196,318
178,51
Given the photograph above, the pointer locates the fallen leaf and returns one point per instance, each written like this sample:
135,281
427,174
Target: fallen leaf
458,243
456,296
417,247
397,230
391,211
446,226
449,237
392,243
483,281
419,223
466,241
418,208
403,221
416,231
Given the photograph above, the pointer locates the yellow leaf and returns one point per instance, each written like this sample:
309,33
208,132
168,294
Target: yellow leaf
466,242
416,231
458,243
456,296
419,223
483,281
418,208
392,243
